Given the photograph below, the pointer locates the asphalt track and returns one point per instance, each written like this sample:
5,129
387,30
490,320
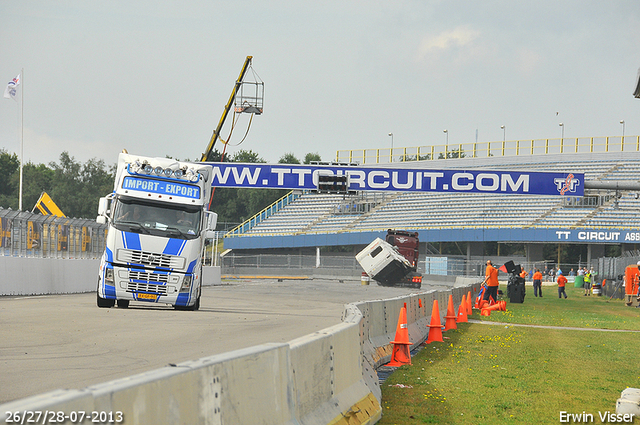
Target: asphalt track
66,341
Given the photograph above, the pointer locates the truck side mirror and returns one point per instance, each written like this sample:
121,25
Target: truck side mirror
103,210
210,225
212,220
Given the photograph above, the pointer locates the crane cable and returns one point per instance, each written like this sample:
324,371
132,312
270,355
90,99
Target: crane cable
226,143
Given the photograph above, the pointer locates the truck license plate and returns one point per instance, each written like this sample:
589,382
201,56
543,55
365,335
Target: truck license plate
147,297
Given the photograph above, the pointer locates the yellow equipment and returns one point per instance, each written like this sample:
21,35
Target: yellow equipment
46,206
245,103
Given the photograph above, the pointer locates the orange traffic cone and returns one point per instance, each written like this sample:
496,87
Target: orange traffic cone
435,328
469,306
499,306
401,355
493,307
479,299
462,312
450,323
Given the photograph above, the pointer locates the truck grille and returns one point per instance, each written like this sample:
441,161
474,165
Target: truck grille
147,287
149,277
151,259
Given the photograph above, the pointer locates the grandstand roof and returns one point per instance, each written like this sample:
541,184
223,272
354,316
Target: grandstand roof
329,220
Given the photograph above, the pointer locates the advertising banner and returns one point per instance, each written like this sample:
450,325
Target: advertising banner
5,233
63,237
33,235
305,177
86,239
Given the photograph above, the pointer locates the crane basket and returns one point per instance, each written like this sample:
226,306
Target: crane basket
250,96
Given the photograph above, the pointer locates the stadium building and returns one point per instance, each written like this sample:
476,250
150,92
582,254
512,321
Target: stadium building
608,214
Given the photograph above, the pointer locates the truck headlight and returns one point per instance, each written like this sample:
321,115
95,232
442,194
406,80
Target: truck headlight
108,276
186,283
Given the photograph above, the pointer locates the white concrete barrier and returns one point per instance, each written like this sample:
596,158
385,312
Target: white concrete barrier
45,276
38,276
629,403
327,377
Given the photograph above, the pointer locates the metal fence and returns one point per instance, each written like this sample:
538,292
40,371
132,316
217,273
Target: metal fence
447,266
24,234
564,145
292,261
612,269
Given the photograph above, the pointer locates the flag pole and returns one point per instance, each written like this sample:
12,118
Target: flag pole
21,136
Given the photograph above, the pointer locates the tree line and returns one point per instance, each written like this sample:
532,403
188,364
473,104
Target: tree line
76,187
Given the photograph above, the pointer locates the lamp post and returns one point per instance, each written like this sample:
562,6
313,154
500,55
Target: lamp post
622,122
391,152
446,132
562,126
504,133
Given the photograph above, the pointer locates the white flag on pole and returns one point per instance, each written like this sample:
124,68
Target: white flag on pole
12,88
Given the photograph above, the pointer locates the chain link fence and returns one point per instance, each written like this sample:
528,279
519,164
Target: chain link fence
24,234
347,265
613,269
292,261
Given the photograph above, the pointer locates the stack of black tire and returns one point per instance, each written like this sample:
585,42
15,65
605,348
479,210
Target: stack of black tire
515,283
515,289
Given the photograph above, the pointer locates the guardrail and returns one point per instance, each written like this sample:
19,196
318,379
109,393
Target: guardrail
563,145
328,377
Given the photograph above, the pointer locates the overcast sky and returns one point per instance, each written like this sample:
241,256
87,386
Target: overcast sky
153,76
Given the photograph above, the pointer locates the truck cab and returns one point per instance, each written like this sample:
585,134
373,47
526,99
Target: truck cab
158,225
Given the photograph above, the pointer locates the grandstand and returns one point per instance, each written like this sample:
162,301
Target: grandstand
600,217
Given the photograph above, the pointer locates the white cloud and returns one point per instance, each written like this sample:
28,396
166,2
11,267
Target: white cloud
446,41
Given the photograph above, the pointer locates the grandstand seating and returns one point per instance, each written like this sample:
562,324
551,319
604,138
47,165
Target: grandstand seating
315,213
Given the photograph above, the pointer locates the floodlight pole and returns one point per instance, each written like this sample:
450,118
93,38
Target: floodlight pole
21,137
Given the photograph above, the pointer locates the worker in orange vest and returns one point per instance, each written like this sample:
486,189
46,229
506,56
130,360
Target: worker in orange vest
537,283
491,280
562,281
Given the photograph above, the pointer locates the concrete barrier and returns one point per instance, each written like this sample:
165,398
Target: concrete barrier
46,276
328,377
39,276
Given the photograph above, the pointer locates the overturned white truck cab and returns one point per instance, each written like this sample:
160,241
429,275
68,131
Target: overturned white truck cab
384,263
158,223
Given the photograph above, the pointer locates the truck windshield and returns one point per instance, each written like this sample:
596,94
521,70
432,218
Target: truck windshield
175,221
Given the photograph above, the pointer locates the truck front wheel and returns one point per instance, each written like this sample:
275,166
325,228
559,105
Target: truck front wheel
105,303
194,307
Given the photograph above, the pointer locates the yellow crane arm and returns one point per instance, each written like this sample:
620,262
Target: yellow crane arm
216,133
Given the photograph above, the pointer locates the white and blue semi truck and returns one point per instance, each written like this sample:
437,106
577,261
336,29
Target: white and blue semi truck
158,222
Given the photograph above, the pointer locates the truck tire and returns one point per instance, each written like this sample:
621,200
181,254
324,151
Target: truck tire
195,306
105,303
123,303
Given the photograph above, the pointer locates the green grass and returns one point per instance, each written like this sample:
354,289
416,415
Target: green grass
496,373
